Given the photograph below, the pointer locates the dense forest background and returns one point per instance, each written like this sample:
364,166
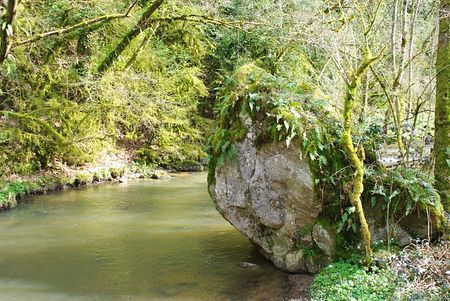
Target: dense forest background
81,79
156,95
154,101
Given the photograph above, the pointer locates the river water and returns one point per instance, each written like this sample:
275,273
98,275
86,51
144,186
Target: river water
144,240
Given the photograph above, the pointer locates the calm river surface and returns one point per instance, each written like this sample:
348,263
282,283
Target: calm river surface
144,240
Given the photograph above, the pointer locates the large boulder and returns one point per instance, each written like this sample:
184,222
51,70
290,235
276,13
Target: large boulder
268,195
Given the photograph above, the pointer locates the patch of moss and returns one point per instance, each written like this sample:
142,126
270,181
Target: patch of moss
310,252
305,231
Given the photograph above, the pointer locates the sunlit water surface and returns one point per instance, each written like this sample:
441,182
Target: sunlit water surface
144,240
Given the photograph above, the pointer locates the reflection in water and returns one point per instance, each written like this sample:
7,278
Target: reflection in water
145,240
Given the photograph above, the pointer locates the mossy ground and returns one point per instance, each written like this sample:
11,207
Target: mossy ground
345,280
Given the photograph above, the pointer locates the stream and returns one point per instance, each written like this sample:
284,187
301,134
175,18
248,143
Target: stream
143,240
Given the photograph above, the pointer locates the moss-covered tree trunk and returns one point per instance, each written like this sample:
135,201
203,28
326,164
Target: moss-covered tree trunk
356,155
442,110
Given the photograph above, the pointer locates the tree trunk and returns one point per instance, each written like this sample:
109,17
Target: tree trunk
6,29
442,109
356,155
394,36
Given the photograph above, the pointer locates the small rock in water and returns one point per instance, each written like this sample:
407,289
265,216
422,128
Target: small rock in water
122,180
248,265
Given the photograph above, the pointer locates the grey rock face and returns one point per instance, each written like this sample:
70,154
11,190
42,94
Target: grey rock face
380,232
402,231
325,239
267,194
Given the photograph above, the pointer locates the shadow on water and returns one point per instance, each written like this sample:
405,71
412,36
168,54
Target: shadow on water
145,240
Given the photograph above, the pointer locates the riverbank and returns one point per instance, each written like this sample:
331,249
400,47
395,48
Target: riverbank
112,168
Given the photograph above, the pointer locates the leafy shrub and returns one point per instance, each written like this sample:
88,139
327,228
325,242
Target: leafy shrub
9,191
403,190
83,178
116,172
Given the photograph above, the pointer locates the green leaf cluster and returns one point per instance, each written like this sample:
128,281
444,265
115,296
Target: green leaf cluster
405,190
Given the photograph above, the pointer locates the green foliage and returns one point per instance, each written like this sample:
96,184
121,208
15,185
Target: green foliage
84,178
310,252
404,190
116,172
188,165
305,231
268,43
348,220
415,273
65,113
15,189
349,281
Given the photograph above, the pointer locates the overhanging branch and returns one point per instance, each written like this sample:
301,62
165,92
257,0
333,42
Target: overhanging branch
146,21
105,18
207,20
